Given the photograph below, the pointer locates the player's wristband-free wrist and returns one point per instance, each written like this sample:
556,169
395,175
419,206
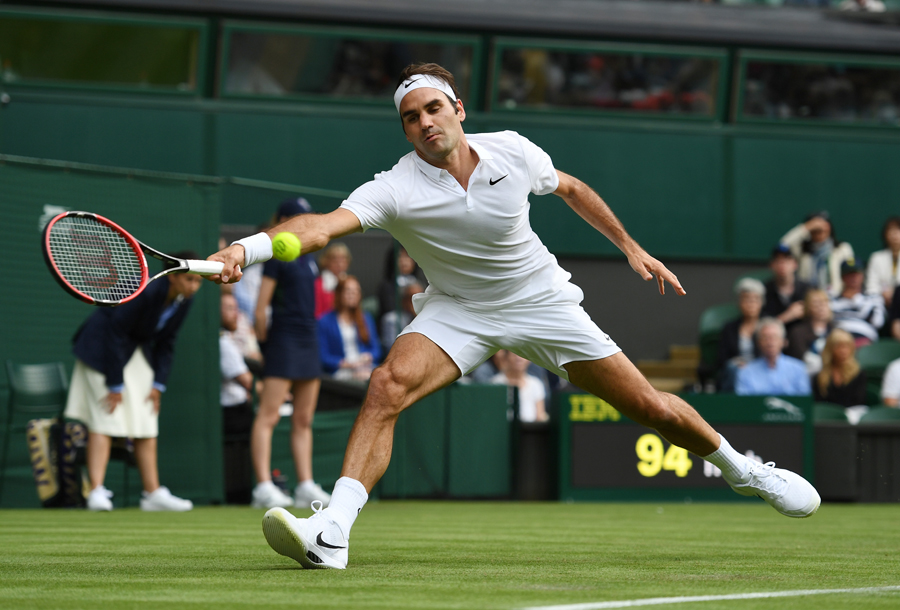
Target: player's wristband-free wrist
257,248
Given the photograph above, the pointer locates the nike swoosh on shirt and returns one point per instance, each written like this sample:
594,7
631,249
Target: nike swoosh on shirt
406,85
324,544
493,182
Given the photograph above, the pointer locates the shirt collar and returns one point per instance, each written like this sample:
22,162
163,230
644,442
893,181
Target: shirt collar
436,173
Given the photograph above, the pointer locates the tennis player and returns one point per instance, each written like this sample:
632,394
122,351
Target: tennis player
459,205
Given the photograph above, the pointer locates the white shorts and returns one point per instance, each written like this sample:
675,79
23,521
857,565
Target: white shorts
133,418
550,331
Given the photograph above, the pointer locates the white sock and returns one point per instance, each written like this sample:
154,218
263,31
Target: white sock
347,499
263,485
734,465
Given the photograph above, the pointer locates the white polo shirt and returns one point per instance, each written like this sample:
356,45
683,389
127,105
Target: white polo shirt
476,246
890,385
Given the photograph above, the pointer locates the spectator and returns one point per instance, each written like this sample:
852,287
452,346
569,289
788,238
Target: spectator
237,408
772,372
291,351
123,358
532,396
348,341
806,339
890,385
244,335
736,345
395,321
334,261
841,380
859,314
894,316
397,275
237,380
784,292
883,272
814,244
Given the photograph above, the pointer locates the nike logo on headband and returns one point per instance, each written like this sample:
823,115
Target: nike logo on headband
406,85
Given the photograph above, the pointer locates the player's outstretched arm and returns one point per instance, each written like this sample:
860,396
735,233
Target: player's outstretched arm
589,205
313,230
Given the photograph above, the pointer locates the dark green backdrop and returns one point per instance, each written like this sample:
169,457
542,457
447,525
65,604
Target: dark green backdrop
714,192
169,213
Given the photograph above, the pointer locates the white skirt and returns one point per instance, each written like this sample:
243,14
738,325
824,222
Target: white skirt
133,418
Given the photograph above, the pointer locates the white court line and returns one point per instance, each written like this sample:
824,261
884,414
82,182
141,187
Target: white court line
655,601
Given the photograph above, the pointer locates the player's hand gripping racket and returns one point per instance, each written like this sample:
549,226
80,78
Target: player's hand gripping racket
97,261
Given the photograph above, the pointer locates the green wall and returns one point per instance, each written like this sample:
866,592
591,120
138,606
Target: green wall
456,443
40,318
684,190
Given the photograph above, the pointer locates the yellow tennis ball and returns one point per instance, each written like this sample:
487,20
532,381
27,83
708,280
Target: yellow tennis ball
286,246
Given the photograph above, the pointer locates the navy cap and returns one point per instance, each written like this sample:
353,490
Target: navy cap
850,266
292,207
782,250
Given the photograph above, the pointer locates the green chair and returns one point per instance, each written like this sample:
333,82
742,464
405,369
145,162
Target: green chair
370,306
874,359
826,411
881,414
35,390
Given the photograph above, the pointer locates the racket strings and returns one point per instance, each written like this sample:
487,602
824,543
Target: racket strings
95,259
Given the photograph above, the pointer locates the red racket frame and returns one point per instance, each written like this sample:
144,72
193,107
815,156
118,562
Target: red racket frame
54,269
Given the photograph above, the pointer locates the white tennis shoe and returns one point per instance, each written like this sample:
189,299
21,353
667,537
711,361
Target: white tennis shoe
268,495
304,495
787,492
314,543
100,499
162,500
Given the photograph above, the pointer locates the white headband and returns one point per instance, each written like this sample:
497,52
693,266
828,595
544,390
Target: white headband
417,81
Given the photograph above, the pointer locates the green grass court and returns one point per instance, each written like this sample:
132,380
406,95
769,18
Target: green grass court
406,554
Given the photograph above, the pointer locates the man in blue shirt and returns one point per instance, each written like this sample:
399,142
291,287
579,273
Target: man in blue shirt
773,372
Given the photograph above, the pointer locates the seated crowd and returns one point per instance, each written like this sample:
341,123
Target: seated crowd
797,333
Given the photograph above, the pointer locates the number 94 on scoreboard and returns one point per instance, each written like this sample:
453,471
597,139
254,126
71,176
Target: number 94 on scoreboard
606,456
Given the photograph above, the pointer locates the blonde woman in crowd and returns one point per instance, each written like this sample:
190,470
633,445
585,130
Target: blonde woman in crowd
841,380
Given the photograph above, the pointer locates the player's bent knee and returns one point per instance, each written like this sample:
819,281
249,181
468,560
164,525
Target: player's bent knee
387,391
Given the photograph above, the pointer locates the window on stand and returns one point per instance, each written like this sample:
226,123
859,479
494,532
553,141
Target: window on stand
847,91
96,52
335,64
617,79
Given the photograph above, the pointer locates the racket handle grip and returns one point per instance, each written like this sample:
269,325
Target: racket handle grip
205,267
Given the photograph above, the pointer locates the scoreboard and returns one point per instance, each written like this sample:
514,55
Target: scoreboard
606,456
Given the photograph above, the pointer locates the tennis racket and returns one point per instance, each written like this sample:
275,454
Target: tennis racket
99,262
